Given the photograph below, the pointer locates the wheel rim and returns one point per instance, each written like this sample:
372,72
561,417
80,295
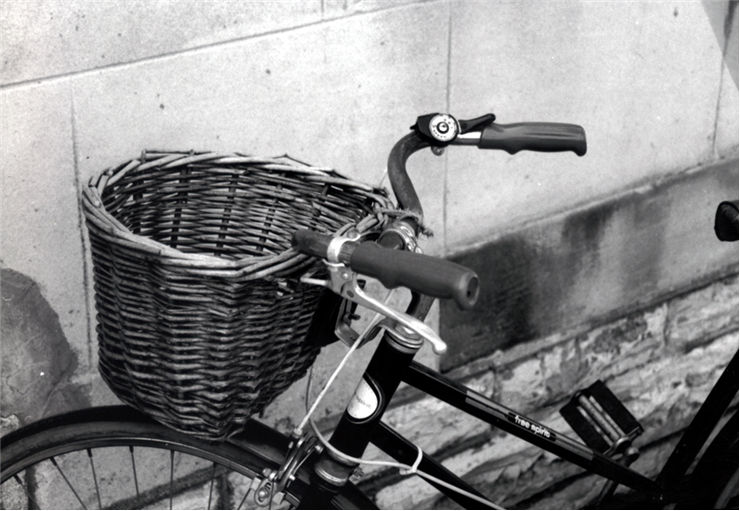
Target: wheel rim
173,487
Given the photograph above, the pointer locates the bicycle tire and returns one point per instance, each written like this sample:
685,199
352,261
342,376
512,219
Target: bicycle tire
74,435
713,484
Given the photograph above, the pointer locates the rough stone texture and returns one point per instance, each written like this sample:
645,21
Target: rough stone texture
694,318
8,424
585,489
12,495
38,360
197,498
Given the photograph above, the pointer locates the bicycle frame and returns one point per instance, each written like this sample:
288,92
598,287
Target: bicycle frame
392,363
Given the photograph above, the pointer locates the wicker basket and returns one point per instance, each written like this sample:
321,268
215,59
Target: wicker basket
202,320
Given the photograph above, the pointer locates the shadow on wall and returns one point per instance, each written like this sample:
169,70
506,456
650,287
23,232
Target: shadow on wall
37,360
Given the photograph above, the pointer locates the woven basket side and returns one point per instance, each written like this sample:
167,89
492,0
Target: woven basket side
230,212
202,318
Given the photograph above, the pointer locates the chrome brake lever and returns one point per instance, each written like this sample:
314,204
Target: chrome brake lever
343,281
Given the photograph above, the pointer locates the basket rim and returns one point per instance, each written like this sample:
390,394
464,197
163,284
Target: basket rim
114,231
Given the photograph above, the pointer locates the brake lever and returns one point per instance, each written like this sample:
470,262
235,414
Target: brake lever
343,281
476,124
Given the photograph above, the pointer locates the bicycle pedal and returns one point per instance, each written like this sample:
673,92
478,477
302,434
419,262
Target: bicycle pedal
600,419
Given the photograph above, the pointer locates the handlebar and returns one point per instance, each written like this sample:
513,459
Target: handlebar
428,275
440,130
534,136
431,276
399,178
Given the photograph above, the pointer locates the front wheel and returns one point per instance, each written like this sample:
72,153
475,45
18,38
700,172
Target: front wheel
117,458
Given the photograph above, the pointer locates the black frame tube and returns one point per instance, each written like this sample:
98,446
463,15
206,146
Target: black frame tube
401,449
392,364
701,426
489,411
352,434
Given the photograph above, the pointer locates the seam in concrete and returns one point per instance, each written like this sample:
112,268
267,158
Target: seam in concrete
447,109
717,105
209,46
81,227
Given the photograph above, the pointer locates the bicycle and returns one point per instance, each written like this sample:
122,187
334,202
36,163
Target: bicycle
308,471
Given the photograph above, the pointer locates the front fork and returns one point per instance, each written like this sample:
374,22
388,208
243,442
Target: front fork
353,433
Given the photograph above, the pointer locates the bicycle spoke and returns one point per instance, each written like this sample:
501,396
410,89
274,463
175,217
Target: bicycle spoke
172,473
210,490
133,466
95,478
59,469
31,500
243,499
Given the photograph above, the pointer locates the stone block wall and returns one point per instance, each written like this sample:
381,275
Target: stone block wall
600,263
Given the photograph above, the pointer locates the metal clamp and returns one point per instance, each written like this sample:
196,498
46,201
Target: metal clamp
404,231
343,281
300,449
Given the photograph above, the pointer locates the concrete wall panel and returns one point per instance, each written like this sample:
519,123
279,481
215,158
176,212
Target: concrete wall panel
338,8
49,37
642,78
40,218
331,95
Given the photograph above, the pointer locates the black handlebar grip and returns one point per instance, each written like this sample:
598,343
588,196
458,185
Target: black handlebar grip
534,136
428,275
725,221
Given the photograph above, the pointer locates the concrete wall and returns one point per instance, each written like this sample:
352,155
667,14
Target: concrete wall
87,85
